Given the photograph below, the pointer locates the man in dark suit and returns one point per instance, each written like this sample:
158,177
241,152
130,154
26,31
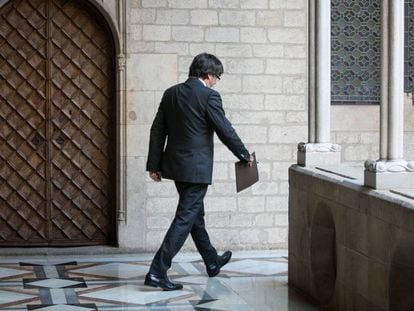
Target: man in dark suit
188,116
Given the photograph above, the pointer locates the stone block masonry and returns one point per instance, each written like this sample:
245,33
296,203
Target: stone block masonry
262,46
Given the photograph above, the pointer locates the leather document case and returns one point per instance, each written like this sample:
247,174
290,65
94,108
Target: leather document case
246,175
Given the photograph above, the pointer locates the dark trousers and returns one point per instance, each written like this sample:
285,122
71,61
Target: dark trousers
189,218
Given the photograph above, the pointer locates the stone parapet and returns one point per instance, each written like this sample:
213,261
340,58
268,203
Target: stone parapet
350,247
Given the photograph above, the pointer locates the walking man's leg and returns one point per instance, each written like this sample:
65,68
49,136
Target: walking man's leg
202,240
189,205
207,251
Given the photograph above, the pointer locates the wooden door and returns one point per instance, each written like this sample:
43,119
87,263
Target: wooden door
57,130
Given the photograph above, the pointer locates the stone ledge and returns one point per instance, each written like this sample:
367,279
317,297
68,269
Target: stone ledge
408,193
353,181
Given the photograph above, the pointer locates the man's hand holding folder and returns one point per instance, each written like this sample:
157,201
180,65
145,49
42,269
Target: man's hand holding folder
246,173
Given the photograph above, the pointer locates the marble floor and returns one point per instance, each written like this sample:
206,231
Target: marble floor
251,281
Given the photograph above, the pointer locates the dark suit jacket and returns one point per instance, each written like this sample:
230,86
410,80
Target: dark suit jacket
187,117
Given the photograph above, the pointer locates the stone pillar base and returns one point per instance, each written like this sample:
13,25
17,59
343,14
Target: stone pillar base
318,154
389,174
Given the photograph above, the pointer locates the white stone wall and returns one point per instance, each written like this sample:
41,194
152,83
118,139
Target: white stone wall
356,129
409,128
262,44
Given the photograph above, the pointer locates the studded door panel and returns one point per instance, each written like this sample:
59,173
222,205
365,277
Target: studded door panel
57,125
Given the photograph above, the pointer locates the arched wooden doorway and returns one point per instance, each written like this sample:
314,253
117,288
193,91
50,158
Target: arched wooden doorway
57,130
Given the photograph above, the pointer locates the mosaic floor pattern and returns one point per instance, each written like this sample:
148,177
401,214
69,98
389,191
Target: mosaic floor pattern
248,282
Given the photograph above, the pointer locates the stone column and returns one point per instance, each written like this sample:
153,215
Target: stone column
319,150
122,113
391,170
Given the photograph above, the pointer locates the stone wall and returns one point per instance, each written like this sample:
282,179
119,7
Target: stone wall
356,129
262,46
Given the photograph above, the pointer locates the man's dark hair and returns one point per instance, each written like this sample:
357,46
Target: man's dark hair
204,64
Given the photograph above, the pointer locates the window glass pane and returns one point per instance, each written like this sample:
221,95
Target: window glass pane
356,53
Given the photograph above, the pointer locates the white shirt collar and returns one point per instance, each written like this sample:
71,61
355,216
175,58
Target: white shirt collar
202,81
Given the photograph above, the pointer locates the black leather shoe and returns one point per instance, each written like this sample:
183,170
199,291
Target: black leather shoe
214,269
164,283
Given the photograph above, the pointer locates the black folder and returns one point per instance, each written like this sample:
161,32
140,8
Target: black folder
246,175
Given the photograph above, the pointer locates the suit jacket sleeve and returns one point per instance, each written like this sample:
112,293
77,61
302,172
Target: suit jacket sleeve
222,126
158,136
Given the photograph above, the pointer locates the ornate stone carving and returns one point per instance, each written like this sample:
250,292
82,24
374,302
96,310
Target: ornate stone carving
389,166
318,147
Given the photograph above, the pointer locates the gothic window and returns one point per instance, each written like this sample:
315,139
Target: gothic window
356,51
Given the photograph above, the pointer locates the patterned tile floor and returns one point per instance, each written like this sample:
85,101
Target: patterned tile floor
251,281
